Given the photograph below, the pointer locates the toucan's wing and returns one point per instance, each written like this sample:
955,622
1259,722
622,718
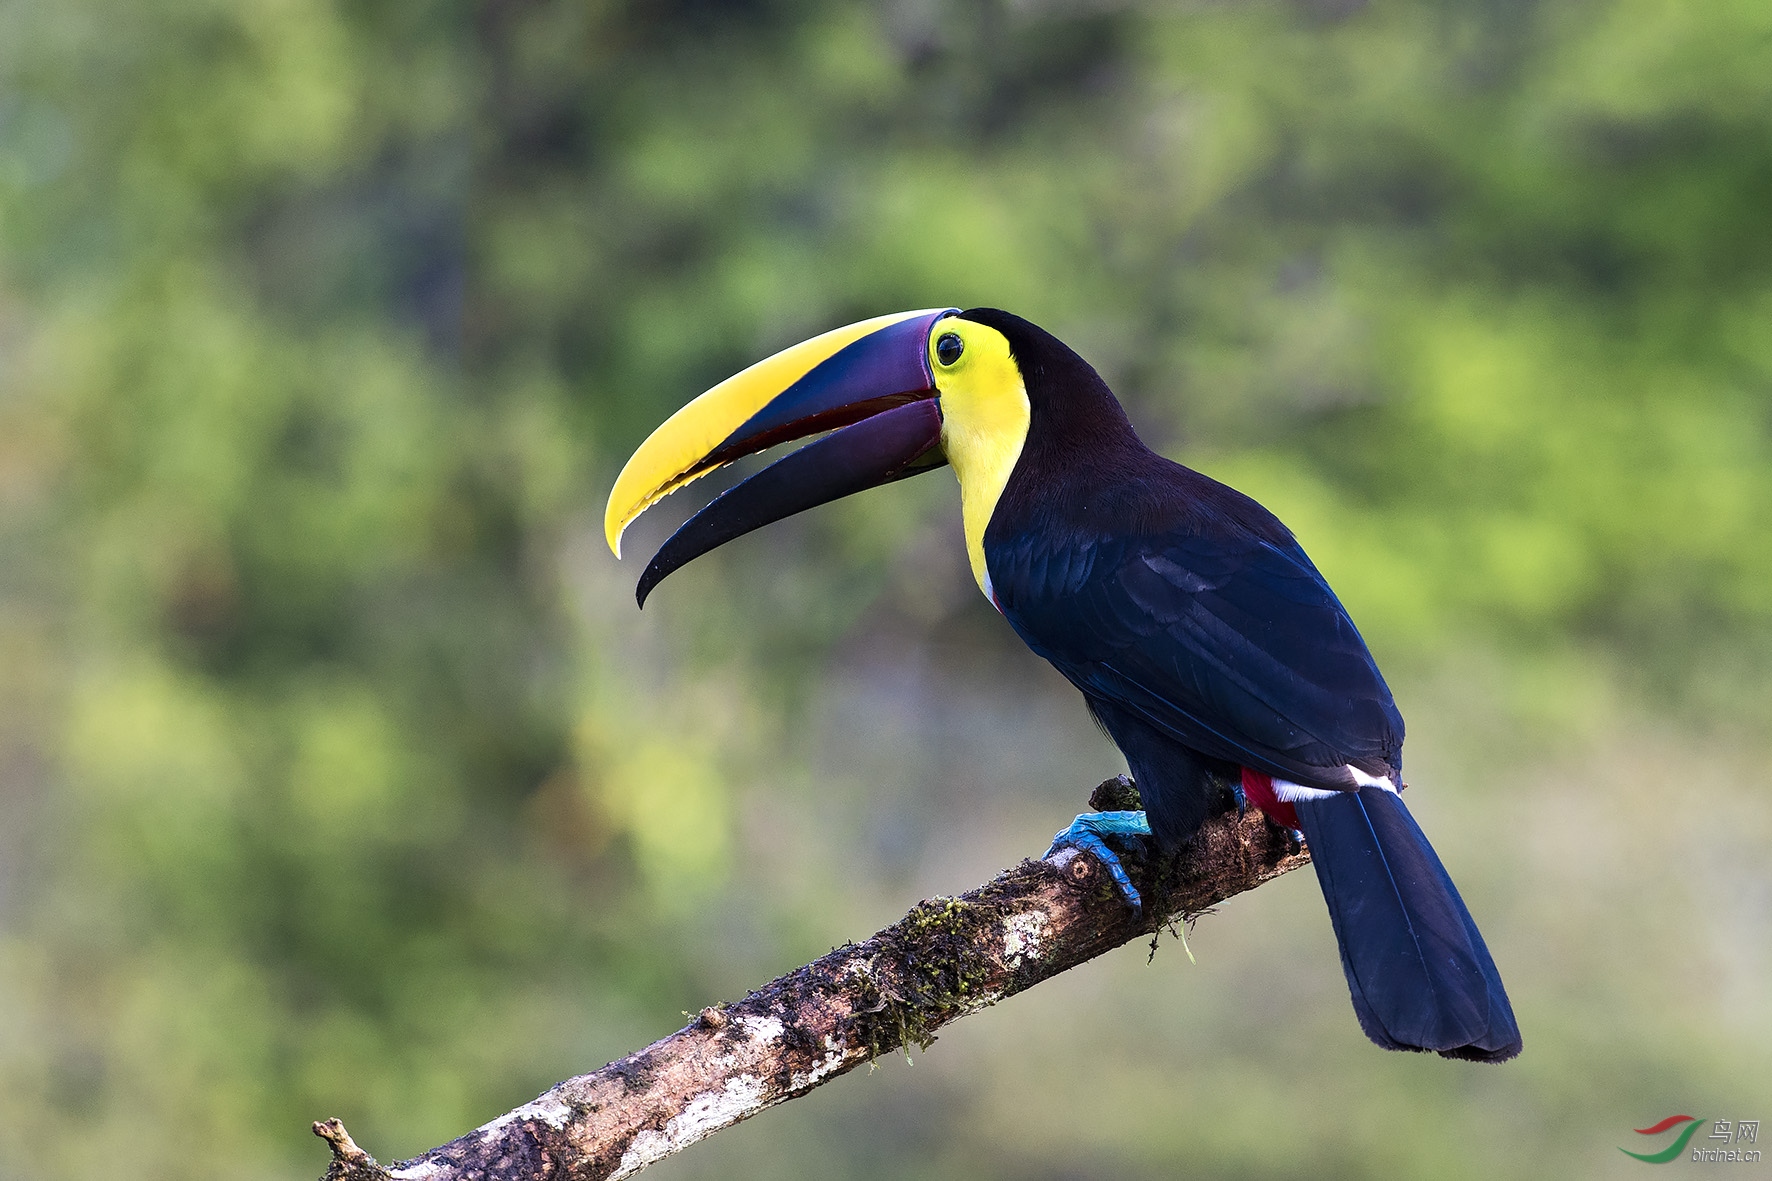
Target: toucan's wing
1232,643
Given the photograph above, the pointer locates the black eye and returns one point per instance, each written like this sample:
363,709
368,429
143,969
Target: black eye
949,348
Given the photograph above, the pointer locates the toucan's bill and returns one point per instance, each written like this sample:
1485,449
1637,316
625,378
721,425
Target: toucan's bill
872,381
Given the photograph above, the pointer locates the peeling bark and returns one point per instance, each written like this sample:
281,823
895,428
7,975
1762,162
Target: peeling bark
948,957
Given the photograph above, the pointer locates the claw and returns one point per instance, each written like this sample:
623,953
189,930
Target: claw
1086,833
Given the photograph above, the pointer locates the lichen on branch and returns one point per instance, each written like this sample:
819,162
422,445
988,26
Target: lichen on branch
944,959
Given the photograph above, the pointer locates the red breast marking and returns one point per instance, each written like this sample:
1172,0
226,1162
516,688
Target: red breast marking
1259,790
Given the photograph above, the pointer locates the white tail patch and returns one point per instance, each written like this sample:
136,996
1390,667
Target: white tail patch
1365,780
1291,792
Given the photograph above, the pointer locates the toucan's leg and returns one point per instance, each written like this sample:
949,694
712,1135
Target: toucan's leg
1087,832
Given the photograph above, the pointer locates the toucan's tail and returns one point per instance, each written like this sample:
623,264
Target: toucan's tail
1420,975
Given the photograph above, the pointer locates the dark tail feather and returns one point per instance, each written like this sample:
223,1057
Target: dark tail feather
1419,973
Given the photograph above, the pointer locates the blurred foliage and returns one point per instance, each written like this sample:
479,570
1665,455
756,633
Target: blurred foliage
341,777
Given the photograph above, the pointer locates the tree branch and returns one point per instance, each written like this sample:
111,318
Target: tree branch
948,957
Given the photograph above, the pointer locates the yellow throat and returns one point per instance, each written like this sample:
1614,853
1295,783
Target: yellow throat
985,415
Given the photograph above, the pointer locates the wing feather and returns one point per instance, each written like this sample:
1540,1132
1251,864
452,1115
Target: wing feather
1232,643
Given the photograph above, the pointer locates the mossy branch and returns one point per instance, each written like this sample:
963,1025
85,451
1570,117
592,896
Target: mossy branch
948,957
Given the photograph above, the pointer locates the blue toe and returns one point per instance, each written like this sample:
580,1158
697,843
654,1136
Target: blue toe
1087,832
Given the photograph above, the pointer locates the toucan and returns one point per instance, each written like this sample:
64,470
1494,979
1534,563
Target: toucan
1204,641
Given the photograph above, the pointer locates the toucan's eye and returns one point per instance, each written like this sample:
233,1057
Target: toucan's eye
949,348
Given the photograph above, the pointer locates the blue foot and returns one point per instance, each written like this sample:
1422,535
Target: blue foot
1086,833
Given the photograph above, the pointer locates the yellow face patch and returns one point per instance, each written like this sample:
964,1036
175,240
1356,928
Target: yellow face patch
984,421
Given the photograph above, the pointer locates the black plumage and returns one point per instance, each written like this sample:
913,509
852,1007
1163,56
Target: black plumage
1419,973
1205,640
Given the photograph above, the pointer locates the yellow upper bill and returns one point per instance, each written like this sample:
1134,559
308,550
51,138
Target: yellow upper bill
667,459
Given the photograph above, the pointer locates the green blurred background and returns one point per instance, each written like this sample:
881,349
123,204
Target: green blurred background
341,777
